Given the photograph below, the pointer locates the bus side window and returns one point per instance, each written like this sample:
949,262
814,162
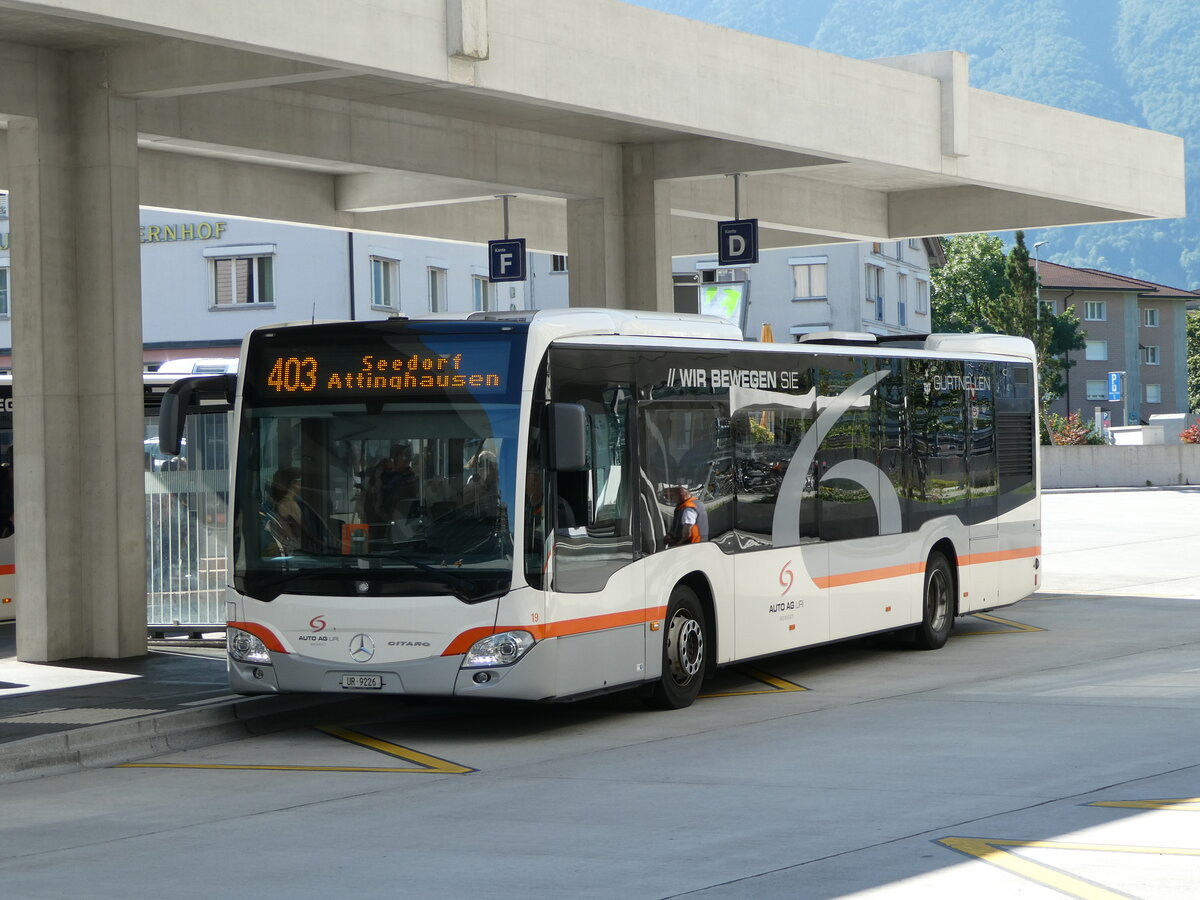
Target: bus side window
598,500
7,521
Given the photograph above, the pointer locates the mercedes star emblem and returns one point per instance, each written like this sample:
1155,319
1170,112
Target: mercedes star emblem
362,648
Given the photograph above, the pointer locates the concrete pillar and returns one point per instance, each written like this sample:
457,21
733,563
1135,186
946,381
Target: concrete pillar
647,222
620,244
76,321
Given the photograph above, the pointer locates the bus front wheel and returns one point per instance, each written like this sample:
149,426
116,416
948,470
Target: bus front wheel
685,652
937,607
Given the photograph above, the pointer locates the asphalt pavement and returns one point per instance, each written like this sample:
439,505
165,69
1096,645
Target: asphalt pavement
61,717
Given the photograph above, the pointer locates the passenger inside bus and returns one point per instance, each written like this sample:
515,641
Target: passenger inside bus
481,496
689,525
281,515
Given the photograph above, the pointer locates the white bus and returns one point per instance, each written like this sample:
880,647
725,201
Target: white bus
180,492
481,506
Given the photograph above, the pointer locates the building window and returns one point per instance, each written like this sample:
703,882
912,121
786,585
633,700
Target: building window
914,244
1047,307
1152,358
922,296
1154,393
3,205
558,262
808,279
1097,389
713,276
437,289
902,308
385,282
481,290
1150,317
874,279
3,292
877,248
899,249
1095,310
1097,350
241,280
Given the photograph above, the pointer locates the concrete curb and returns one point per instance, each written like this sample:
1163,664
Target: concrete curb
113,743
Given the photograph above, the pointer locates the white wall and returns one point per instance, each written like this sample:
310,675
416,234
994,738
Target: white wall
1120,466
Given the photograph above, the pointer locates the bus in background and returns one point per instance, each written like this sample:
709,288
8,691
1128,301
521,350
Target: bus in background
8,569
186,503
494,506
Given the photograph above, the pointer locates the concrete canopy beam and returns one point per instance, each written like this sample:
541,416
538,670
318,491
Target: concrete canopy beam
358,138
374,192
957,210
17,80
710,157
525,69
228,187
173,68
788,203
1025,148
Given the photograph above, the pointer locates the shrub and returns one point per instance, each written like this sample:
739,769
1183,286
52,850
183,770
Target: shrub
1190,435
1072,429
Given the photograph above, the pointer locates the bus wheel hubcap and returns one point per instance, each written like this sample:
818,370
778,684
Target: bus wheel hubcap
939,600
685,649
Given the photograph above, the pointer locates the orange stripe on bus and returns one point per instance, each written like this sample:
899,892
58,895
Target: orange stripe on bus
263,633
869,575
999,556
10,569
566,628
866,575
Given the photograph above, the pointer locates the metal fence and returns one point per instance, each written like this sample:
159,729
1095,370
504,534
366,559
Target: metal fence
186,508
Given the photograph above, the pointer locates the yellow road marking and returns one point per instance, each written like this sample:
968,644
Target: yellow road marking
1013,627
776,684
430,763
994,853
1182,804
425,764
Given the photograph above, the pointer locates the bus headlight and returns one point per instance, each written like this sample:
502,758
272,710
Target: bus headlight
499,649
245,647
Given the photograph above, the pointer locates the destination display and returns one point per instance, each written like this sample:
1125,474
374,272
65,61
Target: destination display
389,368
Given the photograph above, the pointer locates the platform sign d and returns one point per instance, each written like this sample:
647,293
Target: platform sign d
506,260
737,242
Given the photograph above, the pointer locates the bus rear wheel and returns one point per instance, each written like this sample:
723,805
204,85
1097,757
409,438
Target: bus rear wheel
937,606
685,652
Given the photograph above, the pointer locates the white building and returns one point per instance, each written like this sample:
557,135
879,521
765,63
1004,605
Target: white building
881,288
207,280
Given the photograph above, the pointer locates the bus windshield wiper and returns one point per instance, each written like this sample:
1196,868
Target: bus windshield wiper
462,587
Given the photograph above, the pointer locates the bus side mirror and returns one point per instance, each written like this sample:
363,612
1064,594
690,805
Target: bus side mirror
172,411
179,400
568,437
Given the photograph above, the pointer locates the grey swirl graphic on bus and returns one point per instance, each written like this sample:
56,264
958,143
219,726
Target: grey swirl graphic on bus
785,527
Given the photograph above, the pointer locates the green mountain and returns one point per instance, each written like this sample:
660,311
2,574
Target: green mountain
1125,60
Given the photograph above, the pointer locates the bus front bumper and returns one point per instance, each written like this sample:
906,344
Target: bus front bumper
530,678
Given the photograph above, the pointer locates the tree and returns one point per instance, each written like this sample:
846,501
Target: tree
974,272
1013,309
1193,361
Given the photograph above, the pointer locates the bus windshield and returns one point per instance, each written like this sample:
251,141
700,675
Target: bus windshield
376,492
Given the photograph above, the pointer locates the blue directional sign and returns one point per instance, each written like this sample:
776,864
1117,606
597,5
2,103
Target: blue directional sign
1114,387
737,242
506,260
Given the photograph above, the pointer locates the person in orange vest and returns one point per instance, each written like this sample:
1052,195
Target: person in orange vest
689,524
